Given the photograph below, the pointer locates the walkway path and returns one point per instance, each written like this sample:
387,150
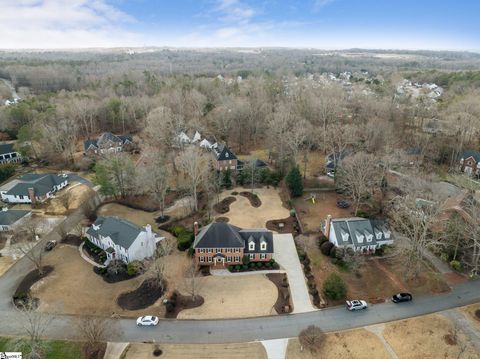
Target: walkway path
286,256
85,257
378,331
114,350
276,348
459,319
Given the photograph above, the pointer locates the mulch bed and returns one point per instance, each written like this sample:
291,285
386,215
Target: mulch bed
72,240
96,257
144,296
222,219
253,198
290,225
163,219
224,205
284,297
182,302
113,278
23,289
145,202
477,314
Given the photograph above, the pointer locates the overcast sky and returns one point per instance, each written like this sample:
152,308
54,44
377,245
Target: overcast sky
327,24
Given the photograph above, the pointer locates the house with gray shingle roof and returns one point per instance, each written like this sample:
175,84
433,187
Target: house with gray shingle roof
107,142
123,240
359,234
224,157
12,218
33,187
470,162
9,154
222,244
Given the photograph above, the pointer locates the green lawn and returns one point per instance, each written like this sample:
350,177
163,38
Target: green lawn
54,349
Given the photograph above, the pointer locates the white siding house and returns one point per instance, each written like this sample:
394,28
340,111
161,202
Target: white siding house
32,188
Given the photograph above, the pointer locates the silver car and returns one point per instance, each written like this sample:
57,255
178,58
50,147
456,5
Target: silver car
147,320
356,305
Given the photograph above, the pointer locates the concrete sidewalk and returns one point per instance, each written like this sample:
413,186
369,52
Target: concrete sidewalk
114,350
286,255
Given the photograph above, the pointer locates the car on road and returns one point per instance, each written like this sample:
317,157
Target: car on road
402,297
50,244
356,304
147,320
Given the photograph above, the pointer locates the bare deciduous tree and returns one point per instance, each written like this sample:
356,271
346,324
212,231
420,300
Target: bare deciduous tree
193,280
94,331
312,338
154,179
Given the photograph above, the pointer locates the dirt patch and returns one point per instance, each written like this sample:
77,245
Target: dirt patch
283,304
199,351
253,198
353,344
146,202
224,205
142,297
177,303
233,297
72,240
431,336
23,290
222,219
286,225
137,216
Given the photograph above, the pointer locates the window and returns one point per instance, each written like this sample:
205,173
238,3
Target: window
263,256
219,250
263,246
229,250
237,258
237,250
202,259
229,258
209,250
251,246
210,259
252,256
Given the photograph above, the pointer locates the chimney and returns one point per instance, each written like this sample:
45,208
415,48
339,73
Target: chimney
327,226
148,229
195,229
4,209
31,194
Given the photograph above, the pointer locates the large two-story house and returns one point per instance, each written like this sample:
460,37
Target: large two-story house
123,240
225,158
359,234
33,187
222,244
107,142
470,162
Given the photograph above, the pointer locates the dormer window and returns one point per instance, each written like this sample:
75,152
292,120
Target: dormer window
387,233
345,236
263,246
226,154
251,246
368,236
378,234
359,237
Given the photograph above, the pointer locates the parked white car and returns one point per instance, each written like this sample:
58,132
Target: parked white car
147,320
356,305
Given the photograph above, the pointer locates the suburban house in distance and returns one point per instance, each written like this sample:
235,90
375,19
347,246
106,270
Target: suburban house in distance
360,234
8,154
222,244
12,218
225,159
33,187
107,142
122,239
470,162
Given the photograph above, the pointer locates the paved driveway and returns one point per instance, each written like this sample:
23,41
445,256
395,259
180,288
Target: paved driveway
286,256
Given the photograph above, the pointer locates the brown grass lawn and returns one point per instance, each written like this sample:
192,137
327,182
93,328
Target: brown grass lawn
379,278
469,312
424,337
74,288
243,215
234,297
198,351
313,215
354,344
315,164
78,194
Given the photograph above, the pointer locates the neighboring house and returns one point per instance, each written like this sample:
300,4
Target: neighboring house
8,154
257,164
12,218
222,244
225,158
123,240
360,234
470,162
107,142
33,187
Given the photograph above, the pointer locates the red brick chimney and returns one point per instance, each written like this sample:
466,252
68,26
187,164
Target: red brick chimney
195,229
327,226
31,194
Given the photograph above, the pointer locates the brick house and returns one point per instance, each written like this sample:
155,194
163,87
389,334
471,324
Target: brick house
470,162
225,158
107,142
222,244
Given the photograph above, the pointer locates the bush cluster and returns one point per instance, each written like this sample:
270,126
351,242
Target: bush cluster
184,237
334,287
248,265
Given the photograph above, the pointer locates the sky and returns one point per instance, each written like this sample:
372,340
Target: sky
323,24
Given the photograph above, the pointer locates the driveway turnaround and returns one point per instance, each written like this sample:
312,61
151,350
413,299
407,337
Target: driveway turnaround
286,256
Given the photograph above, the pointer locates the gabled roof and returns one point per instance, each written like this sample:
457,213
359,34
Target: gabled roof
41,183
6,148
471,153
89,143
11,216
257,236
121,231
105,138
223,153
219,235
356,231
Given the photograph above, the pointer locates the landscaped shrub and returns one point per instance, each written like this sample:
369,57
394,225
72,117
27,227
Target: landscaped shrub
245,267
191,252
456,265
246,260
177,230
334,287
322,239
135,267
326,247
295,182
268,265
275,265
184,241
252,265
237,267
444,257
259,264
230,268
334,251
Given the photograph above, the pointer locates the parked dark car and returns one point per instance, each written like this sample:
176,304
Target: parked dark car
402,297
50,244
343,204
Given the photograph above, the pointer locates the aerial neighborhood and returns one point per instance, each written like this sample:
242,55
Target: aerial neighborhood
315,203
